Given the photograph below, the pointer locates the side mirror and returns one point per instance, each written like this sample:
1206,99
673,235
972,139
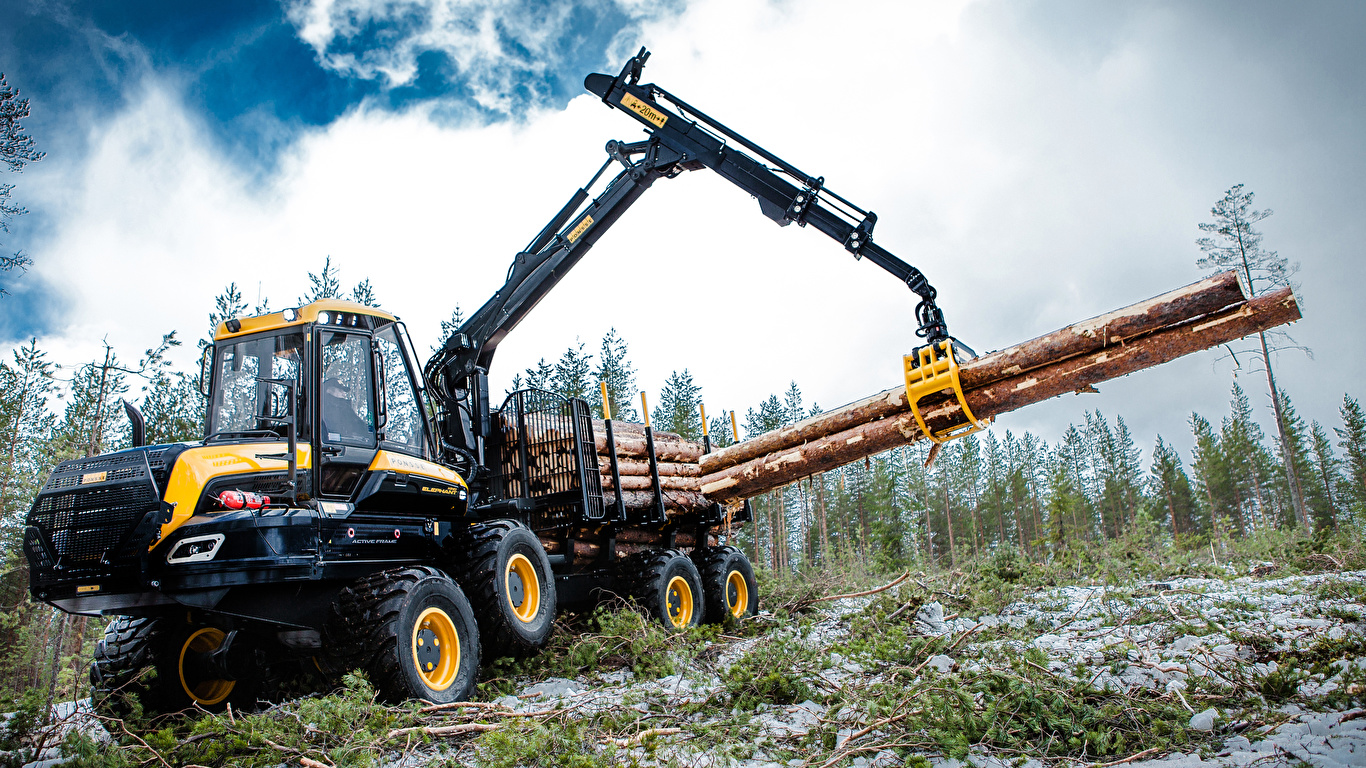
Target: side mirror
205,369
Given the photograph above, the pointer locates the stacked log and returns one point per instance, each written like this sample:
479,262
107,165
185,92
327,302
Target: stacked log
1197,317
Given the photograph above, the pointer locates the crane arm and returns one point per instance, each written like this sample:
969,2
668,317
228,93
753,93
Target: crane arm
800,197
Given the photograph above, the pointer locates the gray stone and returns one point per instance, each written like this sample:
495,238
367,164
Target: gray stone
941,663
1204,721
929,620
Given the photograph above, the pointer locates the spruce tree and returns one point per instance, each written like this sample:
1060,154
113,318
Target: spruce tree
1296,454
538,377
677,410
324,285
1352,441
226,305
1172,489
616,371
1247,463
448,327
1236,245
364,293
1211,472
1328,471
572,373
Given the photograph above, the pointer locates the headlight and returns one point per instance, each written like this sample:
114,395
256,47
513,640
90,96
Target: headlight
196,549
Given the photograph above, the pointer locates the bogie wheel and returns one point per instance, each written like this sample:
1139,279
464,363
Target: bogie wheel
118,670
506,574
412,631
667,585
728,583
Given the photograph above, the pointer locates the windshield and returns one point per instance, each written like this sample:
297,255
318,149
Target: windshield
239,400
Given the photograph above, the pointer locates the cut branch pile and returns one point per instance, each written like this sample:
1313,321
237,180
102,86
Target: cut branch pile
1206,314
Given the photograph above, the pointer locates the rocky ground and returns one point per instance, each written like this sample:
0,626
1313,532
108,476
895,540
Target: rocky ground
1183,672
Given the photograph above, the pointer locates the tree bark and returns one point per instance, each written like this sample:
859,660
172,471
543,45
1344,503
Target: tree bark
666,448
683,500
833,450
1201,298
645,483
638,467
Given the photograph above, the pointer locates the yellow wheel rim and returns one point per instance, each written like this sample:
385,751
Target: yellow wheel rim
679,602
525,600
737,594
205,693
436,649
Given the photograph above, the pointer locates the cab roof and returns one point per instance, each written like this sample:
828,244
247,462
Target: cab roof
308,313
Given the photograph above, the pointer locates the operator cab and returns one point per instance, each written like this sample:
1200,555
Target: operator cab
343,373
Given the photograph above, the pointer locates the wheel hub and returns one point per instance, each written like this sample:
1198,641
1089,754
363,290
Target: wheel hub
516,592
428,650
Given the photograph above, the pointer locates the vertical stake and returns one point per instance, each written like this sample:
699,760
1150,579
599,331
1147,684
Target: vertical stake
619,508
706,436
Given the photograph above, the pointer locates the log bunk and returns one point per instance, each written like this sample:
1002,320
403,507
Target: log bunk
661,471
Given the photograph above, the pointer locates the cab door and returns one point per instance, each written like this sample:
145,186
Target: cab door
347,423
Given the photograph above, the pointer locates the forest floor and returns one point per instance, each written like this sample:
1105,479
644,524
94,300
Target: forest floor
1222,667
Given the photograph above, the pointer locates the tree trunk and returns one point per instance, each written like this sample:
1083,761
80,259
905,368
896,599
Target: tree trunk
1098,333
1292,476
828,452
642,483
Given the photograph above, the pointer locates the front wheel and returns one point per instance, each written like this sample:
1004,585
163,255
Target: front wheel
412,631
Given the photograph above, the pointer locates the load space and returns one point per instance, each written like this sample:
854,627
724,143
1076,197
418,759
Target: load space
349,508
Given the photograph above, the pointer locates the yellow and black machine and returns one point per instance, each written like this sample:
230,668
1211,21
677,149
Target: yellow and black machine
348,509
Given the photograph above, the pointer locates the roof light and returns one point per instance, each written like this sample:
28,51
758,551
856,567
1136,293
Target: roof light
324,318
290,315
234,325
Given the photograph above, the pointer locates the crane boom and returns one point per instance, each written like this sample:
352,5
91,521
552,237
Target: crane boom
680,138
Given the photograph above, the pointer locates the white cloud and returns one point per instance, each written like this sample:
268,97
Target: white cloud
1036,180
503,49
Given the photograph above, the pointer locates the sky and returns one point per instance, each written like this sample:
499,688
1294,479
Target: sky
1040,162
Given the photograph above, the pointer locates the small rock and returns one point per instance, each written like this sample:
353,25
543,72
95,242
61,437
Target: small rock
1204,721
941,663
929,620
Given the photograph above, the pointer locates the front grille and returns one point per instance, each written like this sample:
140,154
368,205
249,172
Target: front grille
86,510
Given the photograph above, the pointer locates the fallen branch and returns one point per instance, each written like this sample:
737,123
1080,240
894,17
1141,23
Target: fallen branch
645,734
882,588
444,730
1129,759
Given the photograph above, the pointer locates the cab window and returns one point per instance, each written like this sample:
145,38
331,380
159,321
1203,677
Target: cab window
348,416
404,423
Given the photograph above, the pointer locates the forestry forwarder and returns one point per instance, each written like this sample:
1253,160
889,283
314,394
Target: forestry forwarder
339,514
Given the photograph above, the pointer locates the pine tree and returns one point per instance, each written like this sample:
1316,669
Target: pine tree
17,149
616,371
25,386
1352,441
89,425
1236,245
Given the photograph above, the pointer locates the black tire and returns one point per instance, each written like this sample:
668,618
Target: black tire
131,645
119,668
397,625
505,573
728,584
657,581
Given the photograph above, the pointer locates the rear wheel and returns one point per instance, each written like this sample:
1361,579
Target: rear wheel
506,574
188,674
667,585
728,583
412,631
